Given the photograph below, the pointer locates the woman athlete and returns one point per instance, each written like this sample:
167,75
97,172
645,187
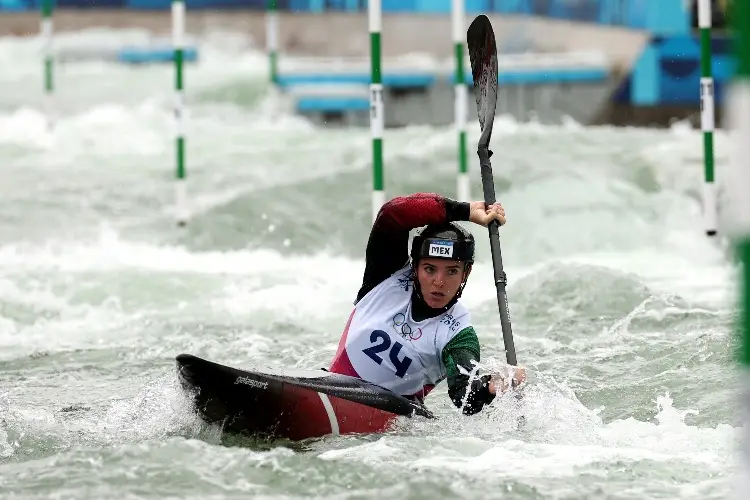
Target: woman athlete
408,330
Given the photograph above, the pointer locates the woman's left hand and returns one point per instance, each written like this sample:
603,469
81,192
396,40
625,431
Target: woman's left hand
498,382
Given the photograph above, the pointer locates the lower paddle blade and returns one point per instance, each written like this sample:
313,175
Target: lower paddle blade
483,56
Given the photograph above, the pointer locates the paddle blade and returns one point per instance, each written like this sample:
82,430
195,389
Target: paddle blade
483,56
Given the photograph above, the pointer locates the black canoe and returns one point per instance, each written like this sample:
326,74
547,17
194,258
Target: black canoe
290,403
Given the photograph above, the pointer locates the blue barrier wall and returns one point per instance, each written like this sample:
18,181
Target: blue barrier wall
661,17
668,72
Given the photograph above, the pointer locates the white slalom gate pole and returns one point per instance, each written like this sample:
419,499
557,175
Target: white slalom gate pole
46,28
375,21
178,43
272,39
710,207
460,96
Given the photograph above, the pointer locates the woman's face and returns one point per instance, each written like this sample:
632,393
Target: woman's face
439,280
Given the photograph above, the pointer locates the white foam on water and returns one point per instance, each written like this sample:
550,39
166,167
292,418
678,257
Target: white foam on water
158,410
261,286
39,320
561,439
384,449
110,253
25,127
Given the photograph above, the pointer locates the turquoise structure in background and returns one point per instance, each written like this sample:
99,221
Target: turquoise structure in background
668,72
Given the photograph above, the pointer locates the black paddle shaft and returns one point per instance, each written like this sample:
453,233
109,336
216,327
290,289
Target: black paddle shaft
488,186
484,70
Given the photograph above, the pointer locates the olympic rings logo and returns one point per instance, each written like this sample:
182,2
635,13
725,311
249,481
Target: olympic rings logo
404,329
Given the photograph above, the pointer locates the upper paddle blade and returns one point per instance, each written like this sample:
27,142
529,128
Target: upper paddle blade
483,57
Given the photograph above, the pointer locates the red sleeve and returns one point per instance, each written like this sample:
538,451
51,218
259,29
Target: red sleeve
387,248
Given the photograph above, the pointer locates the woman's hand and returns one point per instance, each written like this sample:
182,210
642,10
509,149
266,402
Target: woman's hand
480,214
498,382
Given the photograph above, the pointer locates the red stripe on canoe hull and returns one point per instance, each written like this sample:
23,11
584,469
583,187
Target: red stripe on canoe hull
304,416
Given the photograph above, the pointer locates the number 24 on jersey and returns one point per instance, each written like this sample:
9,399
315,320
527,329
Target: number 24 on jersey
381,343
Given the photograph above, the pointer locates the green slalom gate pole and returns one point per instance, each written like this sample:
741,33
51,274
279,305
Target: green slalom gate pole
375,21
460,96
272,39
707,118
739,109
178,42
46,29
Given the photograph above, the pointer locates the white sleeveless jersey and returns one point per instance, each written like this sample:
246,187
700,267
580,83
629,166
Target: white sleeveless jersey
387,347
